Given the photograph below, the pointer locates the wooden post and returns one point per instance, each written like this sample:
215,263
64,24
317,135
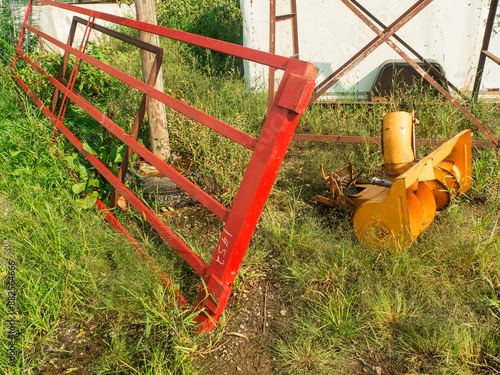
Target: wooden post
158,127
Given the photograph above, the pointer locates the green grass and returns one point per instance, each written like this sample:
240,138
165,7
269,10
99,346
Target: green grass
72,269
433,309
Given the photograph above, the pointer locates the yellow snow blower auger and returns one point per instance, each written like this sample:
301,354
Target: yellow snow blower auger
392,212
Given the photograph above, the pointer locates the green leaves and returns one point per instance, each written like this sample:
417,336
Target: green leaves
79,187
91,185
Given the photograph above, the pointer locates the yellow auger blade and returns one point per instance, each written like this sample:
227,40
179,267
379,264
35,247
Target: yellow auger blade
395,216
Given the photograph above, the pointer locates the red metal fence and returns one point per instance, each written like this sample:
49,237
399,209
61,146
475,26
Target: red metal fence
268,149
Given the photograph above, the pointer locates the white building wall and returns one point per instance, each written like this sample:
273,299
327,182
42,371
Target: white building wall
449,31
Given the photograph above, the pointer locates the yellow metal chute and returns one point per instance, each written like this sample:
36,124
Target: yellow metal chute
393,212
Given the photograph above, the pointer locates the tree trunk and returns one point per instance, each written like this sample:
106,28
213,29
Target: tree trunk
158,127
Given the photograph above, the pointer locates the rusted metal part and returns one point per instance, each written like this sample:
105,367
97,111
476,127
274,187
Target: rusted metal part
492,57
76,67
272,49
427,64
369,48
64,66
272,40
157,51
486,42
268,151
295,28
425,75
376,140
197,115
136,126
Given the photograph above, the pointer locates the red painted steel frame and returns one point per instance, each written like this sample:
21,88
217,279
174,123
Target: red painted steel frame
268,151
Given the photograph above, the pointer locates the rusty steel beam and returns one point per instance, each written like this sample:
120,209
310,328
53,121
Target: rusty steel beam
486,42
425,75
492,57
268,151
76,67
369,48
427,64
272,41
261,57
295,28
376,140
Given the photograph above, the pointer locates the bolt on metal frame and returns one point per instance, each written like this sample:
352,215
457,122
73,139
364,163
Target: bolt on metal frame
268,149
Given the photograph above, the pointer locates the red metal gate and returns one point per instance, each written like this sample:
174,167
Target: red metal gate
268,149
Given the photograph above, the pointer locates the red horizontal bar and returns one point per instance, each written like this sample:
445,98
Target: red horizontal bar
197,115
177,244
246,53
205,199
118,227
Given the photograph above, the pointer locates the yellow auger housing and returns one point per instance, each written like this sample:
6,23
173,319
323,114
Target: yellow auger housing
393,212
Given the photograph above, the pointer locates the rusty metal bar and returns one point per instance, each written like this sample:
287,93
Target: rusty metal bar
427,64
76,67
369,48
295,29
197,193
62,69
136,126
118,227
486,42
426,76
144,99
155,68
376,140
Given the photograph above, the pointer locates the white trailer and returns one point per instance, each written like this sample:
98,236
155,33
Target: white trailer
449,32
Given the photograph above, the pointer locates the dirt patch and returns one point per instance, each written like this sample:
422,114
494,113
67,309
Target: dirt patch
255,318
74,352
